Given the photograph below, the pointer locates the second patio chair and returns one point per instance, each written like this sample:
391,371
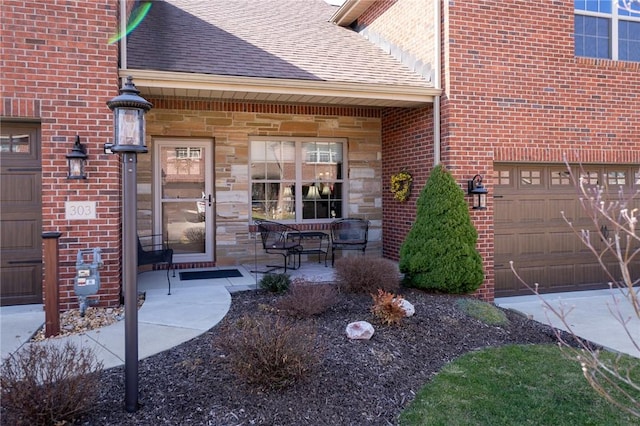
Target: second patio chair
348,234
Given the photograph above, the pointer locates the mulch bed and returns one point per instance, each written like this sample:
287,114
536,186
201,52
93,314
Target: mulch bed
358,382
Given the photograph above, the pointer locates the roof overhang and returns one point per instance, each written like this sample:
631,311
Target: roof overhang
191,85
350,11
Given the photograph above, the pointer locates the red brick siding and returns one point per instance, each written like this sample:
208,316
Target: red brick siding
517,93
59,69
407,143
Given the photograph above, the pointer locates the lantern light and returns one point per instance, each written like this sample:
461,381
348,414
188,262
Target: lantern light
478,191
129,110
77,160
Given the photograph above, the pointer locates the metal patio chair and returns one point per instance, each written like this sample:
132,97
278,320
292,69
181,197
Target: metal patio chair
278,238
348,234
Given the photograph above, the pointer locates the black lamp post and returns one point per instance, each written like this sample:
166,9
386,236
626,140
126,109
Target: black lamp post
479,192
77,159
129,124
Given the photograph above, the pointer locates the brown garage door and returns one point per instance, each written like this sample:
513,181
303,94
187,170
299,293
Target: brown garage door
20,215
531,232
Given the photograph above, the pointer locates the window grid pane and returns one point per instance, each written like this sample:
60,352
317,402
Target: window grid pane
275,166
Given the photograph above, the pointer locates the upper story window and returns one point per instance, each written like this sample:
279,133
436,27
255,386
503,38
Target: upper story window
608,29
297,179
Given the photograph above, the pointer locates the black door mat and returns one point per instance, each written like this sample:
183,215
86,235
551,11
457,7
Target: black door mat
208,275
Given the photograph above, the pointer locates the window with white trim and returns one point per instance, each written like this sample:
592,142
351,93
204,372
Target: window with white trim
297,179
608,29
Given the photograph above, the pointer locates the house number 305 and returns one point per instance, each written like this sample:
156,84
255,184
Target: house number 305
75,210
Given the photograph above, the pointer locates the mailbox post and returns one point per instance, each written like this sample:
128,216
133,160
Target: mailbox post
129,125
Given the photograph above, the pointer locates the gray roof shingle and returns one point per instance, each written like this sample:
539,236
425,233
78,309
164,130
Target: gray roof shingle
283,39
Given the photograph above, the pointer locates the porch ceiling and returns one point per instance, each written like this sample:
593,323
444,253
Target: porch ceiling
207,86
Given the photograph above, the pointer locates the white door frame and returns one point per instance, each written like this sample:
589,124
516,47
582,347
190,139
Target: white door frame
208,147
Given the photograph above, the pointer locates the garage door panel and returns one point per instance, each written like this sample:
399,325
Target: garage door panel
531,244
20,235
531,231
21,284
20,214
507,283
562,243
19,188
528,211
561,275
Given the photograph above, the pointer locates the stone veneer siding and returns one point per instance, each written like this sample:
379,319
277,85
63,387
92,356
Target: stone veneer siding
230,125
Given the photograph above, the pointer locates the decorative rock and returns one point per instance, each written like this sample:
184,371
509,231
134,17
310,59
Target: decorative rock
360,330
408,308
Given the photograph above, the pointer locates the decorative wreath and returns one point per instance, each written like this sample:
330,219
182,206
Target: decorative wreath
401,185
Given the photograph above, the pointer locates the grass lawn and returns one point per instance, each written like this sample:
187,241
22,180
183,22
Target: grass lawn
513,385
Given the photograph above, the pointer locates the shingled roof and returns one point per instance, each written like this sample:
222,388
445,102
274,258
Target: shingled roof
261,40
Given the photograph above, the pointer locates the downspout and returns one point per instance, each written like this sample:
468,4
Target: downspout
123,34
436,83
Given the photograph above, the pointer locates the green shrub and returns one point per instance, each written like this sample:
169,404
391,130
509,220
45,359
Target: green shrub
360,274
270,352
275,283
46,384
483,311
306,299
439,252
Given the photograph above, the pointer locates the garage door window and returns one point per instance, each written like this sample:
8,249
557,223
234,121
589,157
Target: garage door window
530,177
616,178
560,177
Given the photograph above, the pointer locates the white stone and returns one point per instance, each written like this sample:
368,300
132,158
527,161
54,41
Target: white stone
408,308
360,330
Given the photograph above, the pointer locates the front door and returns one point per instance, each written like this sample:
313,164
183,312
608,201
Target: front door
184,203
20,215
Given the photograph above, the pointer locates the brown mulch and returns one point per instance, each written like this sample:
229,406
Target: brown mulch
358,382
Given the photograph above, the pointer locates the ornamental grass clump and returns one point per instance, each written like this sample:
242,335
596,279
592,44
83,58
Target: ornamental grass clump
483,311
46,384
270,352
306,299
359,274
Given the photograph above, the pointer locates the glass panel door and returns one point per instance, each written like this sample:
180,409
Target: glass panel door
184,206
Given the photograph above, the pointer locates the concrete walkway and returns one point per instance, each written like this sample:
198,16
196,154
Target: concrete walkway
164,321
588,315
195,306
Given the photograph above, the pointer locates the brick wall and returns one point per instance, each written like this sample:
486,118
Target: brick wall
515,92
229,125
58,69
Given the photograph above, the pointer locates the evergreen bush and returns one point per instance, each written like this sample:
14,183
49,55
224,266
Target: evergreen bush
439,252
275,283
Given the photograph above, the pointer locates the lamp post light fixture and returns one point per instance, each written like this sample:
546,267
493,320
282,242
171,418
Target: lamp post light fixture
479,192
129,111
77,160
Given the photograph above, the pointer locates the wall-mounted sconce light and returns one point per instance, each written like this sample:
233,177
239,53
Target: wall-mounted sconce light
77,159
479,192
313,193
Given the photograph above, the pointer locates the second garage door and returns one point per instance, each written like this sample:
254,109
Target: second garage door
531,231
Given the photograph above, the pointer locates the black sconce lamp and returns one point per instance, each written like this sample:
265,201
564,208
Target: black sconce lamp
479,192
77,159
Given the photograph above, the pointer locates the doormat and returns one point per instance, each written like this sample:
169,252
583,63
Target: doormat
208,275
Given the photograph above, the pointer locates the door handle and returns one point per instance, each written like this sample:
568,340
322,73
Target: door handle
210,200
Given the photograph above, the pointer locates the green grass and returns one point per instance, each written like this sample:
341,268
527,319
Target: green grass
512,385
483,311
